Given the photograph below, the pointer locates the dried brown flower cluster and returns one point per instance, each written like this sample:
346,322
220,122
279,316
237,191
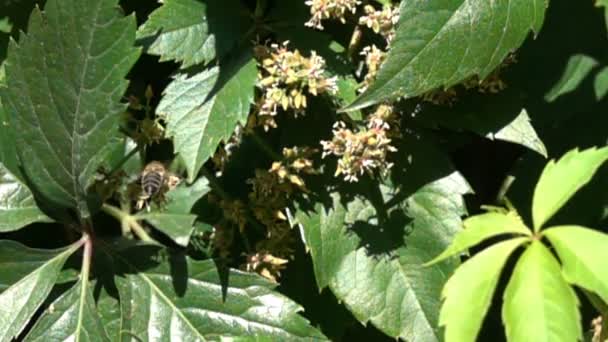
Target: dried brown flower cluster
382,22
364,151
329,9
286,79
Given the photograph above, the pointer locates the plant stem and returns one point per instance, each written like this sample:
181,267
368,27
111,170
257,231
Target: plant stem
87,256
127,221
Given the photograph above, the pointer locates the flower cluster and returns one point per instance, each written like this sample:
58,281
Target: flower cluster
235,212
363,151
329,9
382,22
286,78
373,59
271,190
441,97
265,264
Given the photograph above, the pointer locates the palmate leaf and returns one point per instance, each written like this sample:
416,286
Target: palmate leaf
561,179
65,80
582,252
72,317
442,42
205,109
21,300
172,297
537,288
481,227
194,31
468,293
374,264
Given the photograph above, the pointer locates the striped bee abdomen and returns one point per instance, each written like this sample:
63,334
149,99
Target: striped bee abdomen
151,183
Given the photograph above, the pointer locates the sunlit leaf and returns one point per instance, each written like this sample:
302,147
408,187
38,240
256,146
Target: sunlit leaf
582,252
440,43
17,205
72,317
537,288
468,293
65,80
481,227
175,298
561,179
193,31
205,109
372,260
20,301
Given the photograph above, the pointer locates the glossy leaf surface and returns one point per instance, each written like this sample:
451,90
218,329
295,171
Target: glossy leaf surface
372,260
173,297
20,301
192,31
205,109
442,42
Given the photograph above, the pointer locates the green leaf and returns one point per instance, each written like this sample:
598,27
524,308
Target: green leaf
174,218
468,293
562,179
582,251
17,205
65,80
193,31
17,261
189,300
520,131
440,43
178,227
578,68
372,260
20,301
108,309
538,289
481,227
205,109
72,317
600,83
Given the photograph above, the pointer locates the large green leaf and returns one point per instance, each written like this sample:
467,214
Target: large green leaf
481,227
21,300
17,205
17,261
468,293
63,96
193,31
581,251
372,258
562,179
550,304
442,42
205,109
72,317
176,298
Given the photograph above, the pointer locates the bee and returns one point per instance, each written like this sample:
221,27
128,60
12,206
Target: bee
155,180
